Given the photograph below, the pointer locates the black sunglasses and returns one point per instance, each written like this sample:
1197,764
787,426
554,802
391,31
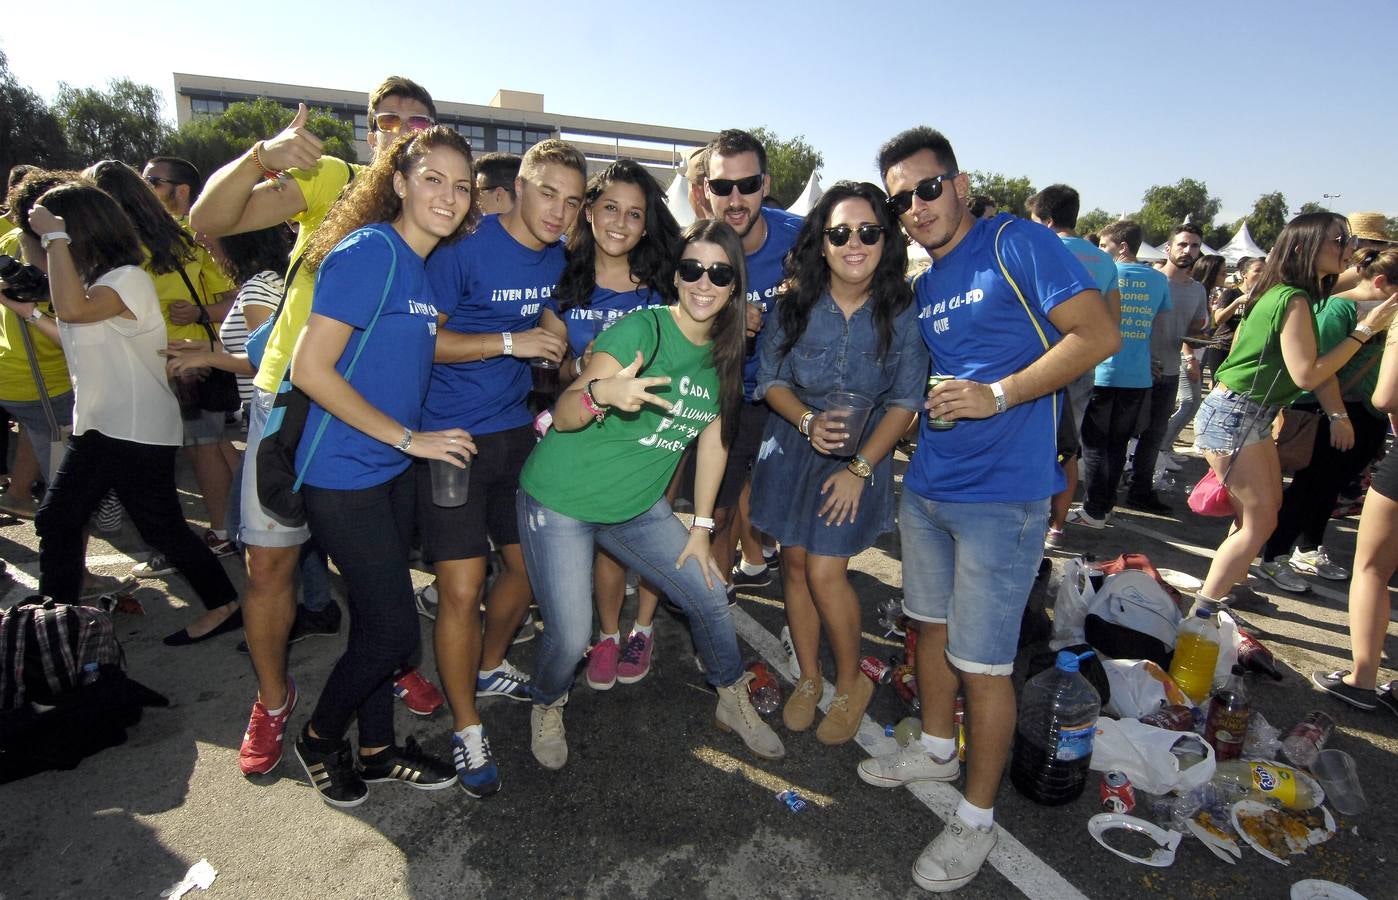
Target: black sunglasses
927,190
869,235
720,274
722,187
157,181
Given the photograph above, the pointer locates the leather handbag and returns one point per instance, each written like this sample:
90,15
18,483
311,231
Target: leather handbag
1295,432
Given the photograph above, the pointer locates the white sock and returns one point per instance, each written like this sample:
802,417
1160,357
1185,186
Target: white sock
643,630
940,748
485,672
751,568
984,819
279,710
602,636
478,728
768,552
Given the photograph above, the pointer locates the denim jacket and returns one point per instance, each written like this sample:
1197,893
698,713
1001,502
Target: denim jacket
836,355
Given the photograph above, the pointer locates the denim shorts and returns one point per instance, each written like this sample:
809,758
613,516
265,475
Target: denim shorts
1228,421
205,428
30,416
971,566
257,526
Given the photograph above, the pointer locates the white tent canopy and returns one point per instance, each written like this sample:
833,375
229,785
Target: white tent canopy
810,195
1206,250
677,199
1148,253
1241,245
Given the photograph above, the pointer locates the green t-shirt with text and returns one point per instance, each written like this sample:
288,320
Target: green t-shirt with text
614,470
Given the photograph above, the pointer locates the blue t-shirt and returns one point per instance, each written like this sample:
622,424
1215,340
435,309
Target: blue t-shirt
488,283
602,312
765,276
977,329
1099,265
395,365
1144,293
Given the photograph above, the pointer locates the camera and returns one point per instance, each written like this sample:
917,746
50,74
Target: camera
23,283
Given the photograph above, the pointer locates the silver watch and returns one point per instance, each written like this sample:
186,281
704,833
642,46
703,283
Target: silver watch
1001,404
1365,330
405,441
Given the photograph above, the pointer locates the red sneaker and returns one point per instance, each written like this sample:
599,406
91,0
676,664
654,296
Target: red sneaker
262,743
417,693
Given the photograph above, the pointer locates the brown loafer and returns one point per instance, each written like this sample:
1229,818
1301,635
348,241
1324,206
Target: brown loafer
799,711
846,712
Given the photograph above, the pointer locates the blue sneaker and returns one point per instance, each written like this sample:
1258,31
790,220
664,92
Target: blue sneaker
505,681
475,766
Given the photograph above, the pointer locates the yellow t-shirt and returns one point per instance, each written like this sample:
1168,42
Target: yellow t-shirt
320,188
16,378
208,279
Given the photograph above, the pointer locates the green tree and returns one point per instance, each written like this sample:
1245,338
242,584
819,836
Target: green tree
1219,235
1094,221
1311,207
209,142
122,122
1009,193
789,162
1392,226
1267,219
1165,206
29,131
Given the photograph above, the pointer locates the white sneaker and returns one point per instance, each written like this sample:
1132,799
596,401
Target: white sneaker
1078,516
1317,562
954,857
907,765
547,739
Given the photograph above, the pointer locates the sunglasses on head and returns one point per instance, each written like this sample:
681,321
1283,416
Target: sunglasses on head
720,274
927,190
722,187
387,121
869,234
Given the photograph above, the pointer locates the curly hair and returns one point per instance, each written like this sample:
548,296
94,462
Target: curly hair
808,272
371,198
652,260
171,247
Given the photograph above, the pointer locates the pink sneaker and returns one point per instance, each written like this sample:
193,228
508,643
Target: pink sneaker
635,660
419,695
601,664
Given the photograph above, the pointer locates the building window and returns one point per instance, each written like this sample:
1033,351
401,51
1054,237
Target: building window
509,140
361,127
206,108
533,137
474,135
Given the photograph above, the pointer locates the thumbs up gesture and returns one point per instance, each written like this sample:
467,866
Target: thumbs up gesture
626,392
294,147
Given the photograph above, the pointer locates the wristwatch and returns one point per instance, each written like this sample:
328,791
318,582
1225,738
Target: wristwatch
1001,404
860,466
36,315
1365,330
705,522
405,441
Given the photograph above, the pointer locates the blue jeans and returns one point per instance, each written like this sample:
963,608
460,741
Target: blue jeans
558,553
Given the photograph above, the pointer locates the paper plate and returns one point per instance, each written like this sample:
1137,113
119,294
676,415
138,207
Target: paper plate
1315,889
1180,581
1254,808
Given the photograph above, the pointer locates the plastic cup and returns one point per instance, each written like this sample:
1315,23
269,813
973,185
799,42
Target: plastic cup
545,373
852,411
449,483
1337,774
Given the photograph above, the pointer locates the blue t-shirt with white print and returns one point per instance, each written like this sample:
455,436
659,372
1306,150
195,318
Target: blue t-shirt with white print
765,276
604,309
488,283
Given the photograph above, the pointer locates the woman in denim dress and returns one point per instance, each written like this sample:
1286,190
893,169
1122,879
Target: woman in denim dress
846,323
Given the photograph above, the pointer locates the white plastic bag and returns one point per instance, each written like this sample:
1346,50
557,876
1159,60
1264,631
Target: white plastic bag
1143,752
1075,593
1134,691
1228,642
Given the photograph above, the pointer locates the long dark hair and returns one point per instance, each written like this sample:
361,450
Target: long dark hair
256,251
808,272
371,198
170,246
101,236
652,260
1293,257
1206,270
728,330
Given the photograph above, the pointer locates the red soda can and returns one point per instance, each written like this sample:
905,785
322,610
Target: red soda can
905,686
879,672
1118,795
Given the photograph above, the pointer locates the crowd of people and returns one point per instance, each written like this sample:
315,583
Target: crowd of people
558,336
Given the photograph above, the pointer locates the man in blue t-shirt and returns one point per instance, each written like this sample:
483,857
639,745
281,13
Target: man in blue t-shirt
736,183
1123,381
1012,317
494,290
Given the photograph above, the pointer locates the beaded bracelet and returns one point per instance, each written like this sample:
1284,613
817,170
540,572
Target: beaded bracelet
805,425
590,404
269,174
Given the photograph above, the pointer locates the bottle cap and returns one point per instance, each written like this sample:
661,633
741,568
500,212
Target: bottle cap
1068,661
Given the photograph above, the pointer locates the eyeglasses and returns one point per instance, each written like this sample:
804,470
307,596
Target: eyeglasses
927,190
869,234
157,181
387,121
720,274
722,187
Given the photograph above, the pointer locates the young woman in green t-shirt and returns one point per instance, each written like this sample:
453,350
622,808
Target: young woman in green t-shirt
1273,361
657,381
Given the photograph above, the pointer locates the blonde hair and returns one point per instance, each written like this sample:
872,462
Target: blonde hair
554,152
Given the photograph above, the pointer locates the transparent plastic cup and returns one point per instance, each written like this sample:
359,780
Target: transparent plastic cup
545,375
1337,773
449,483
852,411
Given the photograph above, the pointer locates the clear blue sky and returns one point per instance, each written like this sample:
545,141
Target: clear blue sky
1250,97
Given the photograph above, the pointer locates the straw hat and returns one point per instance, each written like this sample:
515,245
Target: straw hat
1369,226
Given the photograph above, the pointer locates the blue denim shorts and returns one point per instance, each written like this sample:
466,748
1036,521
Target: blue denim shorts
1228,421
971,566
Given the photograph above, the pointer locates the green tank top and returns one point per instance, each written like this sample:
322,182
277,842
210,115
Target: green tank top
1255,366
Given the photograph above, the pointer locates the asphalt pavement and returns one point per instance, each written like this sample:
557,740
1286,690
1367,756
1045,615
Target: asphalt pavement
655,801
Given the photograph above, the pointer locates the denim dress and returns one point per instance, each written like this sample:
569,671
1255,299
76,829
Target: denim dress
832,355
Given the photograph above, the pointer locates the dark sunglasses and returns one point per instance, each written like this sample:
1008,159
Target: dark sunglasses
720,274
1346,240
157,181
869,235
927,190
388,121
722,187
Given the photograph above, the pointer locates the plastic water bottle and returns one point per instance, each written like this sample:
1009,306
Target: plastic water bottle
764,691
1227,725
1303,743
1196,654
1057,720
905,732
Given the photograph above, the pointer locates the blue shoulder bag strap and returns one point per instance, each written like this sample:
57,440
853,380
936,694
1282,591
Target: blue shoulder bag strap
349,370
1033,319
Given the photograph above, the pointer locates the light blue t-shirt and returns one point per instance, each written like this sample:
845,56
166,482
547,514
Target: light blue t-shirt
488,283
976,328
604,309
1099,265
1145,292
765,276
395,365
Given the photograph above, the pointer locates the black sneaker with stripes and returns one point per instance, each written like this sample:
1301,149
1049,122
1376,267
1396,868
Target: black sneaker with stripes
409,764
332,771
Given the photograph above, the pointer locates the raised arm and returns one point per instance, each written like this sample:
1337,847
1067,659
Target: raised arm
239,197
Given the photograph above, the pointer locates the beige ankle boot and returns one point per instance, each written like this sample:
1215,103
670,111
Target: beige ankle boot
735,713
